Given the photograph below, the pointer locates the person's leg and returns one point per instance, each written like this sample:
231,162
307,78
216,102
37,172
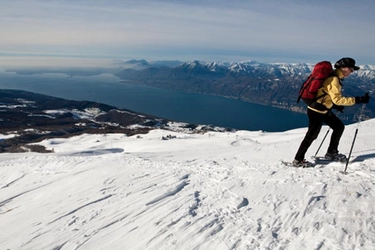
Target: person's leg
337,127
315,124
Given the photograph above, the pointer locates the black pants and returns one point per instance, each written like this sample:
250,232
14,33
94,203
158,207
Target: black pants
316,121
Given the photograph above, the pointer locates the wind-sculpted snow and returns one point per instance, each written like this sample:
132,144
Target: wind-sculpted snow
208,191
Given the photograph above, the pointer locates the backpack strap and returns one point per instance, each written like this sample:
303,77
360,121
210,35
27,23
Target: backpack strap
303,87
324,93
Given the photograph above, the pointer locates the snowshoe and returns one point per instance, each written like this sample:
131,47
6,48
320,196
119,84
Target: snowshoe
335,157
302,164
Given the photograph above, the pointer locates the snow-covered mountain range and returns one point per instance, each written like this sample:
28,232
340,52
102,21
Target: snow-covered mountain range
243,67
275,84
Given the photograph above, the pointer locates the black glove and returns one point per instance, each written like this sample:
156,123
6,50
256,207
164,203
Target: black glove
362,99
338,108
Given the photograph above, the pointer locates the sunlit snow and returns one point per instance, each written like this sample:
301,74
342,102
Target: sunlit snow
217,190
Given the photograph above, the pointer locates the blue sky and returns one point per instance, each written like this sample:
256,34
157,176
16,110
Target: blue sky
236,30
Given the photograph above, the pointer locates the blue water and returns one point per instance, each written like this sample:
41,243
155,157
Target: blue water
174,105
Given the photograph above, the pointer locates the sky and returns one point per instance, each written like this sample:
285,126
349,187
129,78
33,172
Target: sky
207,30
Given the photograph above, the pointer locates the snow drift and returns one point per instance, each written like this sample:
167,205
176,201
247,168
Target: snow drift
189,191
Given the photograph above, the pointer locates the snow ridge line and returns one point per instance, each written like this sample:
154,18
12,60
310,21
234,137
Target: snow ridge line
83,206
169,193
12,182
2,203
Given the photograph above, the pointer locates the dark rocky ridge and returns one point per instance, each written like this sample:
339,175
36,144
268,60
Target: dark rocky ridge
35,117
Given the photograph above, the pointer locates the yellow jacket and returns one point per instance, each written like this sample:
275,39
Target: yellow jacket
332,87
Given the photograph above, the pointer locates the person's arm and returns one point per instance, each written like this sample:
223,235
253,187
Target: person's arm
334,91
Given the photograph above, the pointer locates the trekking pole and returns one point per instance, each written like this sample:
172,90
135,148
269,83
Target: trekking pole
321,143
355,135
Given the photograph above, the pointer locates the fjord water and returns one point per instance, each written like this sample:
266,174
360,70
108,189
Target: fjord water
173,105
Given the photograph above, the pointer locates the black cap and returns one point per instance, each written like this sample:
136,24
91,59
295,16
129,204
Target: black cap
346,62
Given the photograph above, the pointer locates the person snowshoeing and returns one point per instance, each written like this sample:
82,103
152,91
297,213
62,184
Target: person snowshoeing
320,111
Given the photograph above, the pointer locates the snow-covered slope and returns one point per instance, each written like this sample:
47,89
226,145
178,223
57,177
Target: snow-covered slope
188,191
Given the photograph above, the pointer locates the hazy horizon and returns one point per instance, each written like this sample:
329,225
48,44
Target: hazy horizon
266,31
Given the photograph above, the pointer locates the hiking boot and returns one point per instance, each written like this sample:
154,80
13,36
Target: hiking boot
335,156
302,164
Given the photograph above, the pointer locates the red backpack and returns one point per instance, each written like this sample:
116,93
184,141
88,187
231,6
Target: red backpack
310,87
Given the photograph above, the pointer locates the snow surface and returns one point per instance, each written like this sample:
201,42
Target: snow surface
217,190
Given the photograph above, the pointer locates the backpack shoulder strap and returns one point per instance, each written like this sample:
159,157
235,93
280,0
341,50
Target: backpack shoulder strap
324,93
